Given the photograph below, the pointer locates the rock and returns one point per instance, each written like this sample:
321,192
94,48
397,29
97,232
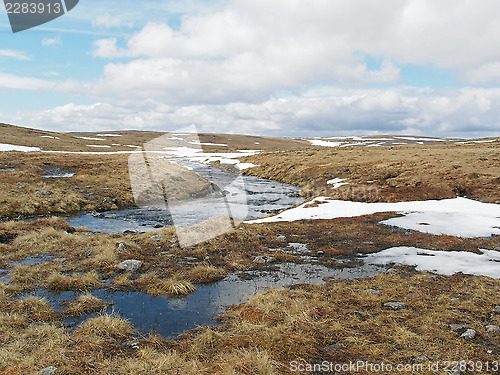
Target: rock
421,358
128,231
43,192
492,328
260,237
373,291
469,334
456,299
59,260
394,271
173,240
121,246
132,344
497,308
21,187
130,265
97,214
174,246
48,370
320,252
334,347
157,237
157,226
396,305
282,239
263,259
458,327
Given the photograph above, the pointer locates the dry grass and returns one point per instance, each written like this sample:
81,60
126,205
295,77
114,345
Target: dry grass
206,273
106,326
402,173
80,282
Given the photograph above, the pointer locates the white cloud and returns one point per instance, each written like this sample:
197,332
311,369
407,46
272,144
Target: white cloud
13,54
476,112
50,42
12,81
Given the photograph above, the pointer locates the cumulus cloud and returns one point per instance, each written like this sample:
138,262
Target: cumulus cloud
317,112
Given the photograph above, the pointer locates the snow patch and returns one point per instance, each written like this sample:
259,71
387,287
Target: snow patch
9,147
441,262
455,217
337,182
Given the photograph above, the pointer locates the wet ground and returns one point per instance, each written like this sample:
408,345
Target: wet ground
246,197
170,317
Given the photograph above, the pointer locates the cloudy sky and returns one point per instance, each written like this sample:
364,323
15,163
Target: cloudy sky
268,67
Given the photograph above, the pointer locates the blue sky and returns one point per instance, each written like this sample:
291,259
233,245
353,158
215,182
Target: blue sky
275,67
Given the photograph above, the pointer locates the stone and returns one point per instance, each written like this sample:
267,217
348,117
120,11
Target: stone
43,192
157,237
457,327
260,237
394,271
263,259
130,265
157,226
421,358
492,328
396,305
497,308
469,334
48,370
132,344
281,239
121,246
373,291
334,347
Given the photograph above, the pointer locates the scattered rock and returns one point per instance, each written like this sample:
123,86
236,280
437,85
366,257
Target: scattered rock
458,327
172,240
497,308
321,252
394,271
421,358
334,347
130,265
48,370
59,260
282,239
43,192
128,231
97,214
373,291
121,246
21,187
174,246
263,259
157,237
158,226
396,305
492,328
132,344
260,237
456,299
469,334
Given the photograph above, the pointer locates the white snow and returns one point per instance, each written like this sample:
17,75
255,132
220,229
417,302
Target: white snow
9,147
337,182
49,136
484,141
206,144
319,142
91,139
109,135
455,217
101,146
422,139
441,262
197,155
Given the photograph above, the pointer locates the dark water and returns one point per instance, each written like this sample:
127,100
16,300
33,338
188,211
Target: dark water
246,198
171,316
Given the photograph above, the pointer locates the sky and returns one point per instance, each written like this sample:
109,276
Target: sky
263,67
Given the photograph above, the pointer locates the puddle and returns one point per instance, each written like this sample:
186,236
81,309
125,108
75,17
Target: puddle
7,169
33,260
4,276
170,317
56,172
262,197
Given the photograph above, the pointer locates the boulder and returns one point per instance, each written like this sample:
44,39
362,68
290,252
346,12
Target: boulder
130,265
